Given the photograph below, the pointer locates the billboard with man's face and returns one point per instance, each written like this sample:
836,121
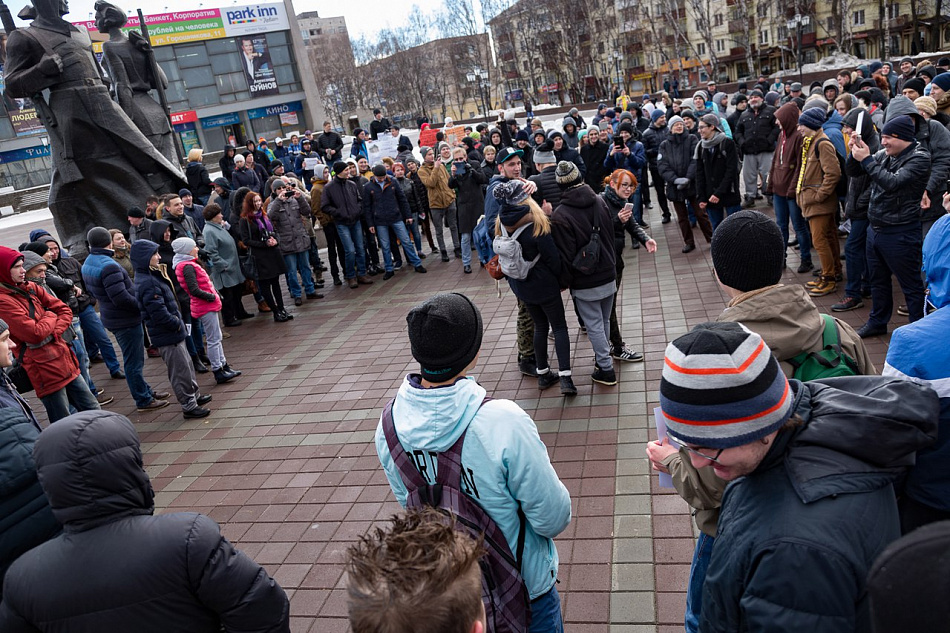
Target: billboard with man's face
257,66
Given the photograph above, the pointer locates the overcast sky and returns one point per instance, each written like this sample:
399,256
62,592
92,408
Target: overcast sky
363,17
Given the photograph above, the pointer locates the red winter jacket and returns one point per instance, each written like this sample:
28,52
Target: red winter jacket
52,365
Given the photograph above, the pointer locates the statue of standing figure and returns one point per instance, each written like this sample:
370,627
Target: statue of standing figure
102,163
127,63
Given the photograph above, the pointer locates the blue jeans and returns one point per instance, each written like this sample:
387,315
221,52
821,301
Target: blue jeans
483,242
637,200
79,348
132,343
466,249
97,341
787,209
546,613
77,392
354,255
402,233
697,576
856,259
294,262
895,250
416,233
718,214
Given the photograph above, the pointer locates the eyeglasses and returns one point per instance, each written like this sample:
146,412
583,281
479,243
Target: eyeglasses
626,185
697,452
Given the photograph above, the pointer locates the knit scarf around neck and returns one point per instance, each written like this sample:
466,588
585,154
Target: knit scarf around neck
710,143
612,198
806,143
263,222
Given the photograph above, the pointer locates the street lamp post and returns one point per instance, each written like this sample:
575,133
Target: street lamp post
797,23
617,57
480,76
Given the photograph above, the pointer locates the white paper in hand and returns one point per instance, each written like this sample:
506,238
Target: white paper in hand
665,480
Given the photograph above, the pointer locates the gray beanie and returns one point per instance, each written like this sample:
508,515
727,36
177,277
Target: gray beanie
712,121
3,326
99,237
183,245
31,259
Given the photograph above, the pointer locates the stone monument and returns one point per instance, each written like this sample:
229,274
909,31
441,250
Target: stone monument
102,163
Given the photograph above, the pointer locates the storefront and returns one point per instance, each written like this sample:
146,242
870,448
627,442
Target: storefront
184,125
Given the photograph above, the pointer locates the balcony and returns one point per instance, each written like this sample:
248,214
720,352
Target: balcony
737,26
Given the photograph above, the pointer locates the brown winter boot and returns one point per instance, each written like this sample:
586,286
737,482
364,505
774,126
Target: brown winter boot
826,286
263,307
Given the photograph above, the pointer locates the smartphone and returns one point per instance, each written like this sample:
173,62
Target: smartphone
628,207
618,142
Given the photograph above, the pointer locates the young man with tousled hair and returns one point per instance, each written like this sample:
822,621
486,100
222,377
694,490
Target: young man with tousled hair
419,576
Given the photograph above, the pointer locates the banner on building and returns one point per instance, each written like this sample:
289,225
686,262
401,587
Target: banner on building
205,24
289,119
21,111
257,66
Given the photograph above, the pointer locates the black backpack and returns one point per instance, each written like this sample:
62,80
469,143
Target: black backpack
507,605
586,259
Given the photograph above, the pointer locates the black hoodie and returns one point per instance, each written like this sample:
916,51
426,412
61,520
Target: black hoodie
118,567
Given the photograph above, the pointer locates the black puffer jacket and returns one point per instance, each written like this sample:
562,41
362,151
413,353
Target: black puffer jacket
614,205
859,185
652,140
717,173
547,187
757,131
798,535
117,567
469,199
342,201
25,516
573,223
897,184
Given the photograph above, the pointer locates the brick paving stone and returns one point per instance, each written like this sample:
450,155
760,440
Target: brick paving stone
287,465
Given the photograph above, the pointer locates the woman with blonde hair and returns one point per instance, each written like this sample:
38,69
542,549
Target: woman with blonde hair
521,218
199,182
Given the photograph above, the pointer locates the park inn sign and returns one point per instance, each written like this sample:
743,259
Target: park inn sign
205,24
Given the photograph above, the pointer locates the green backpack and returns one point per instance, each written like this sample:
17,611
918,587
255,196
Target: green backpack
829,362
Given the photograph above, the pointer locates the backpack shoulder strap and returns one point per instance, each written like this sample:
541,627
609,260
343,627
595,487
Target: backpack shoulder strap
450,468
829,336
520,230
407,470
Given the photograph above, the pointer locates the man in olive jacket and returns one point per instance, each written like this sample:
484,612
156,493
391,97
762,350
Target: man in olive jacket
118,567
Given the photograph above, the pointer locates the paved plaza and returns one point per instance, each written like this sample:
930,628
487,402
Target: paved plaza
287,465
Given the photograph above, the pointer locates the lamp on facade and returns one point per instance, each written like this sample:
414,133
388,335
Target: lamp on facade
796,24
481,77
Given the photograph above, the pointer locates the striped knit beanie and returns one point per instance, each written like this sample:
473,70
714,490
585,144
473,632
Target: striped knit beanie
721,387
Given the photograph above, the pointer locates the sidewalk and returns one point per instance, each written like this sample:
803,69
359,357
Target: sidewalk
286,462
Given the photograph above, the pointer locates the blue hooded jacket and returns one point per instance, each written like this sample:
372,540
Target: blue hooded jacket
918,352
504,457
156,297
832,129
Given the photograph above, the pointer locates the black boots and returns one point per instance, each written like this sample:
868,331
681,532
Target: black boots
200,367
225,374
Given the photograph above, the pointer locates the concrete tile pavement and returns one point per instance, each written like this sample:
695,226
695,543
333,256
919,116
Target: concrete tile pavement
286,462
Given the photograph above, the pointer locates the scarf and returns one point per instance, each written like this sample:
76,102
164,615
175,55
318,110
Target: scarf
943,102
712,143
612,198
806,143
180,259
263,222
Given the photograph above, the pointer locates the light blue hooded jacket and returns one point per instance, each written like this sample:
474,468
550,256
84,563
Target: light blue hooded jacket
504,462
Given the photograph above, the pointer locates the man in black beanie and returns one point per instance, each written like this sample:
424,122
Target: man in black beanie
442,413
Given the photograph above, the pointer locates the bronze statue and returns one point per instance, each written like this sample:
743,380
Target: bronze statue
127,63
102,163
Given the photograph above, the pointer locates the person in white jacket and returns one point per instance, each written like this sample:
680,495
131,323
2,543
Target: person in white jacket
505,464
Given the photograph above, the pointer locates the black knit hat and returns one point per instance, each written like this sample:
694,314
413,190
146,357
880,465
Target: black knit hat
748,251
99,237
135,212
339,167
445,334
915,84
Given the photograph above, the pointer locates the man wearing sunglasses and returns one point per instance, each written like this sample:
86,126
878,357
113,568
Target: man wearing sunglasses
811,466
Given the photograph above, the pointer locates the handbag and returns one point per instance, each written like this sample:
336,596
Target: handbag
586,259
17,372
494,269
248,267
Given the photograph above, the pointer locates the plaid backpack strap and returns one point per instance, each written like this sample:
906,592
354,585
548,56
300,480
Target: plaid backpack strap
411,476
450,468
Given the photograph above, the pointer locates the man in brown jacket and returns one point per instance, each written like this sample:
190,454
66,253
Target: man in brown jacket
783,178
435,176
815,194
748,256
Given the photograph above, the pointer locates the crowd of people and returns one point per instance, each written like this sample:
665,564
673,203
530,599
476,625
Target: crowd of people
805,467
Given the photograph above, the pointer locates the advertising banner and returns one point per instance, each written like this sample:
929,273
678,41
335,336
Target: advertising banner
258,69
289,119
21,111
205,24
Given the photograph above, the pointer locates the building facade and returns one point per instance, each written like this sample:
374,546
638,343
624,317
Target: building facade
236,73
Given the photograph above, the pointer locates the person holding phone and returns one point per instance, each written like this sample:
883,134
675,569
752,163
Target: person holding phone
258,233
467,179
618,190
288,210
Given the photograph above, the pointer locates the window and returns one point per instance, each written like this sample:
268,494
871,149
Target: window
717,19
225,63
893,11
198,97
781,32
195,77
279,55
763,10
219,47
701,48
192,56
858,18
720,46
763,37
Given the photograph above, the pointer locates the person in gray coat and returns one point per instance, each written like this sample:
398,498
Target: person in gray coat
288,211
225,265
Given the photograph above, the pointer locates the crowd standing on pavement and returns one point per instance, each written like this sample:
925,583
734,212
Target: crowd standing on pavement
802,463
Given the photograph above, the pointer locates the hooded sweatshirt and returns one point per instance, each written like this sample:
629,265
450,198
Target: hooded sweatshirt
935,138
505,460
788,152
917,352
859,186
118,567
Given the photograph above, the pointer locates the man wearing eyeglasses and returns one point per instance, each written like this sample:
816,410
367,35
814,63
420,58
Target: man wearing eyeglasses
811,466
